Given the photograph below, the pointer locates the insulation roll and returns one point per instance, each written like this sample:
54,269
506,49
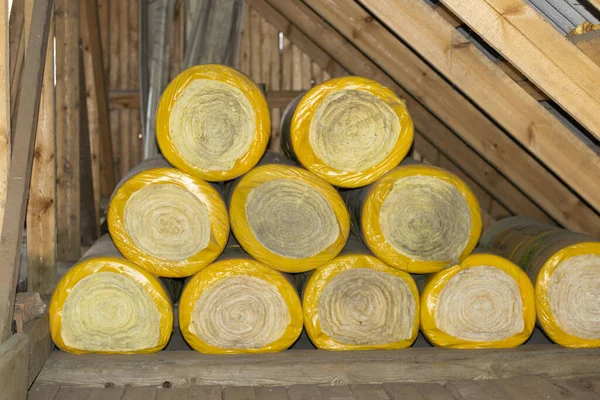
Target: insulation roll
107,304
213,122
565,269
167,221
239,305
485,301
356,302
349,131
287,217
417,218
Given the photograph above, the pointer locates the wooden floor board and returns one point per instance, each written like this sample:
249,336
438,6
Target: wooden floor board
578,389
336,392
433,391
42,392
369,392
238,393
516,388
402,391
546,389
592,384
139,393
205,392
270,393
304,392
172,394
472,390
72,393
106,394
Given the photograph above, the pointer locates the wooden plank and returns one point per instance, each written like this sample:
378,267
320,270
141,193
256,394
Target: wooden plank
275,85
72,393
589,43
245,54
516,388
296,36
177,37
20,168
255,45
304,392
577,388
139,393
368,392
270,393
40,345
433,391
172,393
434,93
342,392
296,68
471,390
547,58
266,32
205,392
114,82
5,107
306,72
106,394
41,208
124,54
238,393
526,120
42,392
402,391
134,82
14,365
97,100
67,130
17,41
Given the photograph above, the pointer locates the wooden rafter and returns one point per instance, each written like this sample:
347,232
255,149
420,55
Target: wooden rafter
526,120
20,167
542,54
481,133
5,107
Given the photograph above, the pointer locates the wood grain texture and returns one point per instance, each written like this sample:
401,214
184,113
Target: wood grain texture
435,94
42,392
20,168
41,209
14,367
532,45
471,71
40,345
316,367
124,54
5,107
66,17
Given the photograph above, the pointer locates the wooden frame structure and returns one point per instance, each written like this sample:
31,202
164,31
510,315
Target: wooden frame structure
488,120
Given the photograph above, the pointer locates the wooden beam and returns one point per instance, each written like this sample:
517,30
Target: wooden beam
67,130
5,107
483,135
97,102
296,36
526,120
542,54
314,367
589,43
41,209
40,344
14,367
17,39
20,167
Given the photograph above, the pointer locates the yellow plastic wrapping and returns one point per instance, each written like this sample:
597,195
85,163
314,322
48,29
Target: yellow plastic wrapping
296,141
120,266
208,196
366,206
231,77
243,233
436,282
230,267
538,249
320,278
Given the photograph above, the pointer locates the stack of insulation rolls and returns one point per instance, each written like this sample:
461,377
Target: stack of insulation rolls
256,246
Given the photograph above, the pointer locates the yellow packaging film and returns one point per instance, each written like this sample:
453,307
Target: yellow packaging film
288,218
168,222
349,131
417,218
565,269
485,301
213,122
109,305
356,302
239,305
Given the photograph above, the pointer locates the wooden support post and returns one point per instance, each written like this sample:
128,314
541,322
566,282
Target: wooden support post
4,107
41,209
521,115
22,160
547,58
14,368
17,39
124,56
103,166
40,344
433,92
67,130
